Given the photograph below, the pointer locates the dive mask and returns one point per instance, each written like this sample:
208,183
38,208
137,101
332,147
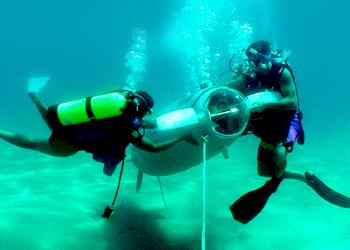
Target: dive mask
257,61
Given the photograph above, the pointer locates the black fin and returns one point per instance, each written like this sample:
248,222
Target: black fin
161,189
225,153
325,192
139,181
250,205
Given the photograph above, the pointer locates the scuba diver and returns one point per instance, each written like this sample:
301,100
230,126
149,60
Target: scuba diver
277,124
102,125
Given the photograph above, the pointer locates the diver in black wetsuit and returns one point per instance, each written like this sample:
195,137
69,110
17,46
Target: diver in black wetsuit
277,124
95,128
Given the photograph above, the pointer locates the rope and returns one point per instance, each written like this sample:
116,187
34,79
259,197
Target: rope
204,189
120,178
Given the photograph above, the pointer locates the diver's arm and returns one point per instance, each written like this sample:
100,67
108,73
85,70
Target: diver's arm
149,123
147,145
289,99
288,90
238,83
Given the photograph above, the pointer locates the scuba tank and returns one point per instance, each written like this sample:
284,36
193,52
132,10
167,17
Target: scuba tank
88,109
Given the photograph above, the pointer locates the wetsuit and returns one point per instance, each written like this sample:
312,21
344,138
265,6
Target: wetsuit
271,125
105,139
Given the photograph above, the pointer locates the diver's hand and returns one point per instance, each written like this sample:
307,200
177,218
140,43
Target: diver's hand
257,107
189,138
149,123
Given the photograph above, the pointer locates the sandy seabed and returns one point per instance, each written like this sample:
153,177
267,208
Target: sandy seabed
56,203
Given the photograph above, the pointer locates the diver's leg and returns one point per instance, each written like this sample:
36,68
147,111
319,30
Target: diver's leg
264,162
40,106
263,169
271,160
250,204
293,174
280,155
280,160
58,148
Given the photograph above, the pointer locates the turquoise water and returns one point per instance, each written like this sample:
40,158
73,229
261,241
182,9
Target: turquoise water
168,48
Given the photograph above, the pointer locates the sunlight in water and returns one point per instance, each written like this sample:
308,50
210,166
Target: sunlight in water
206,34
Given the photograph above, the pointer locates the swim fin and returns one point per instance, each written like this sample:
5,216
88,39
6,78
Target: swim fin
325,192
250,205
37,83
139,180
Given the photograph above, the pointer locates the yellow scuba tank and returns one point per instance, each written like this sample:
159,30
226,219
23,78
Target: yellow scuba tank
90,108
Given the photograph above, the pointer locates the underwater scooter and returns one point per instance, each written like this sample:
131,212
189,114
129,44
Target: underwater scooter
220,113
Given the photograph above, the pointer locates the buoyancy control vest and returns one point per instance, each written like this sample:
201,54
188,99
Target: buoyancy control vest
270,80
257,82
101,125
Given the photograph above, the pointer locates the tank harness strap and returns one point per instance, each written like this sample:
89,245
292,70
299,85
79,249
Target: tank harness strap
141,132
266,145
138,126
88,108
